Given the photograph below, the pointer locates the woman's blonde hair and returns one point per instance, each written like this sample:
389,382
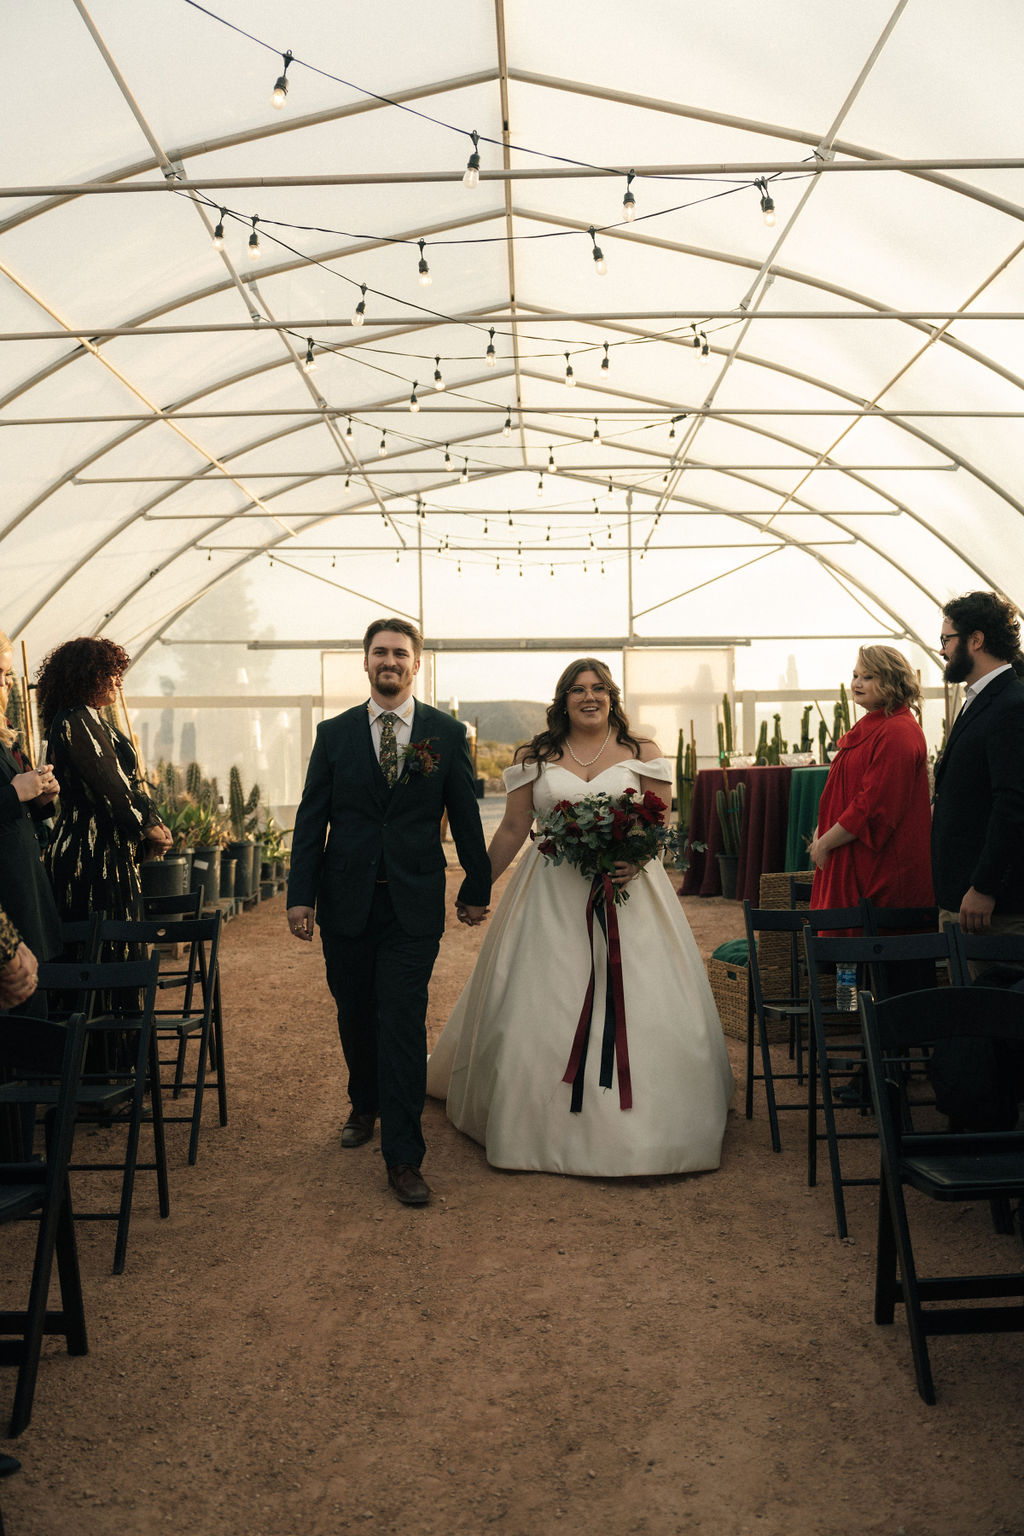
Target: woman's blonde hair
896,678
7,736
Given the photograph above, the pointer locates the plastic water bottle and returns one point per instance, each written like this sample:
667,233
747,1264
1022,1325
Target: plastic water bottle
846,988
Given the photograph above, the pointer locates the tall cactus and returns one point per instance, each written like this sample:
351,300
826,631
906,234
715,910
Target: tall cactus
762,743
729,805
194,782
806,744
243,809
727,723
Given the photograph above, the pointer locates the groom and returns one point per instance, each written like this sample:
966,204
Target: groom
367,854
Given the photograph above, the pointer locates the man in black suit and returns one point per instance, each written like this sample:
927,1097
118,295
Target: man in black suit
367,854
978,820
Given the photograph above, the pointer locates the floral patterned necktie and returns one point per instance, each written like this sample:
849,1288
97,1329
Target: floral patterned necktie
388,749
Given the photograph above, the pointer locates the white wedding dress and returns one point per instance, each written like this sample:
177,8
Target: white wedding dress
501,1056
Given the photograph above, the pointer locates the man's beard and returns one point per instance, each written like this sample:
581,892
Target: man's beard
959,665
388,683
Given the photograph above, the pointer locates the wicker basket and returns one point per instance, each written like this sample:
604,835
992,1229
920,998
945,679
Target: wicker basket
773,892
729,988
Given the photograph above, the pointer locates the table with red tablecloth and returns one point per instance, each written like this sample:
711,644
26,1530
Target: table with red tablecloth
762,833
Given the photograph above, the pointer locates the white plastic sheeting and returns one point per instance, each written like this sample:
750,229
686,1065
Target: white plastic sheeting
847,456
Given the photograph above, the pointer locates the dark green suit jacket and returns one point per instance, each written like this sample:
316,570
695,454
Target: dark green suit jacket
351,830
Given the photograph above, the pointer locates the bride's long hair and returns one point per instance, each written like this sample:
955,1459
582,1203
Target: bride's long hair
549,744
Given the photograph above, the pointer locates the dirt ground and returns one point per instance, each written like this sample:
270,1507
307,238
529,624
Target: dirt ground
294,1352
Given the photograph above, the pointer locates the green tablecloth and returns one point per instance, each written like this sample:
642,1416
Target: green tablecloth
804,793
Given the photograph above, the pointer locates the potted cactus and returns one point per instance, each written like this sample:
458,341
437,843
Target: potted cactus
729,804
243,813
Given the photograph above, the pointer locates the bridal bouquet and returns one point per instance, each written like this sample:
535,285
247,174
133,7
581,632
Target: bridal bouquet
599,831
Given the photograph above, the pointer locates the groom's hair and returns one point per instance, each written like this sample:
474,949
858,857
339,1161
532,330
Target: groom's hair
402,626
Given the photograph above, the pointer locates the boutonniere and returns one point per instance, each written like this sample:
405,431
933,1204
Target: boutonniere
420,757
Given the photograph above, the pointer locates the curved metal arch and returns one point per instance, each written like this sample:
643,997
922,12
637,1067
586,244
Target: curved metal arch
679,247
266,130
758,430
810,138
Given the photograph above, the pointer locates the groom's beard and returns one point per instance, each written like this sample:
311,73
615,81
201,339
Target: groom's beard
390,683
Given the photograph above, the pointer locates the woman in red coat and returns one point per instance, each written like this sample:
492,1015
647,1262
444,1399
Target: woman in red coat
874,816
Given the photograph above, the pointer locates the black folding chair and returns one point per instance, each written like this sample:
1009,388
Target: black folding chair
185,904
198,1015
943,1165
883,960
115,1093
33,1049
974,951
781,996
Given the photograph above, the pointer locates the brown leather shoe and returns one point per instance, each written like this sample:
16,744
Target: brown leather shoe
357,1129
407,1184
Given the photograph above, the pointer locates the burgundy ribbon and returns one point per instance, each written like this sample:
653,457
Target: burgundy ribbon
615,1005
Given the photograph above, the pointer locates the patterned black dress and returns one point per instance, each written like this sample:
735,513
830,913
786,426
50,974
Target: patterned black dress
94,855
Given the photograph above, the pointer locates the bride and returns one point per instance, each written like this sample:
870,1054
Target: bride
501,1057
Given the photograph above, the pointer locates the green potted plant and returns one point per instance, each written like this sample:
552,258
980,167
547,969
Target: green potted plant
243,813
729,804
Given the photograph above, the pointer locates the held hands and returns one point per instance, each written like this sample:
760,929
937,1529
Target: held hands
817,854
18,978
37,784
300,923
976,911
623,873
471,916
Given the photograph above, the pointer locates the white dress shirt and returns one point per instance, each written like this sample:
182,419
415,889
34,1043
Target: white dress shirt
403,725
973,689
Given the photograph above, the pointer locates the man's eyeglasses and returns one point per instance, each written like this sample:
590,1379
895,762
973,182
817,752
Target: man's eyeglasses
954,634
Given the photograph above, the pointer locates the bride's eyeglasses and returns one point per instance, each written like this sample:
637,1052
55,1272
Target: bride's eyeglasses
598,691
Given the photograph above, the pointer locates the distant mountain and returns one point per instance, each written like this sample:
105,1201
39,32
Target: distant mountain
504,720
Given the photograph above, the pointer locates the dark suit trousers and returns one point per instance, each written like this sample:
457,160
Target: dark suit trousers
379,981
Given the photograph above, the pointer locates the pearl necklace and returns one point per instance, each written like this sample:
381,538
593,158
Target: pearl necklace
589,760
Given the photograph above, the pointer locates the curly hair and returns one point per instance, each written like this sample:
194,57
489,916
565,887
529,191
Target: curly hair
72,676
896,678
996,618
549,744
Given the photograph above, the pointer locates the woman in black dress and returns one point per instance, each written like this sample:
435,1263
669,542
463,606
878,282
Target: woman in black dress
107,821
26,795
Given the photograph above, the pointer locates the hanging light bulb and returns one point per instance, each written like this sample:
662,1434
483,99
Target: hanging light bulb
696,338
705,350
629,201
552,466
597,433
506,430
383,448
254,241
570,377
490,356
610,486
280,91
672,430
423,269
414,403
348,430
309,361
605,361
438,380
540,485
458,569
600,265
218,234
447,457
471,176
359,313
767,206
464,476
